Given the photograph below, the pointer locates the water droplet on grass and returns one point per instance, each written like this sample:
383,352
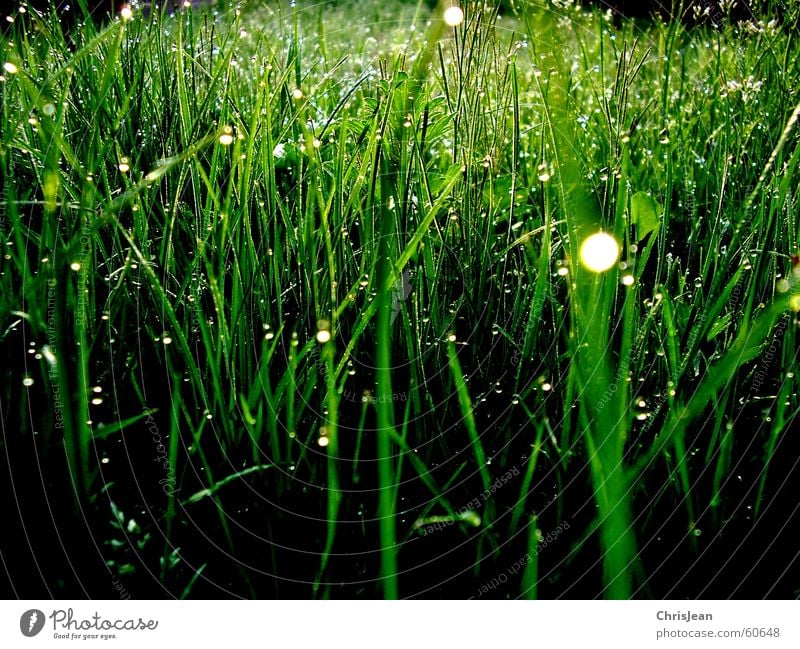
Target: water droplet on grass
226,138
543,172
323,333
599,252
453,16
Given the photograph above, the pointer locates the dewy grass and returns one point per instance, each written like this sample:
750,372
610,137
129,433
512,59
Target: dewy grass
339,261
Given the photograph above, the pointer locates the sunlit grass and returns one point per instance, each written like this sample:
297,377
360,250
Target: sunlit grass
387,255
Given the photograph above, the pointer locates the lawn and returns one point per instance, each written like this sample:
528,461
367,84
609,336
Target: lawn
361,300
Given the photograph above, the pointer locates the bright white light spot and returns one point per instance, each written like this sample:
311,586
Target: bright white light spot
48,109
124,165
599,252
126,13
544,172
628,280
97,401
97,389
451,338
27,381
323,441
297,93
9,67
75,265
323,336
49,356
226,138
453,16
166,340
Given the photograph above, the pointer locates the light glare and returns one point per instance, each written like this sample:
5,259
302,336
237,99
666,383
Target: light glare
599,252
453,16
226,139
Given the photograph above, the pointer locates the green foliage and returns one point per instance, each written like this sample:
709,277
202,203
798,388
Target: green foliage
267,213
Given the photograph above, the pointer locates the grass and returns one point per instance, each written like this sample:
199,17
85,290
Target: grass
337,266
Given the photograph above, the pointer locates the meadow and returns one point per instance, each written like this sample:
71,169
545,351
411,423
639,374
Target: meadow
347,300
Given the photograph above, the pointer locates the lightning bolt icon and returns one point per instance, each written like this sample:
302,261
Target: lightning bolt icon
32,621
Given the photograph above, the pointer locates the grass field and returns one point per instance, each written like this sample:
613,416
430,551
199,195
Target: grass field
340,300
